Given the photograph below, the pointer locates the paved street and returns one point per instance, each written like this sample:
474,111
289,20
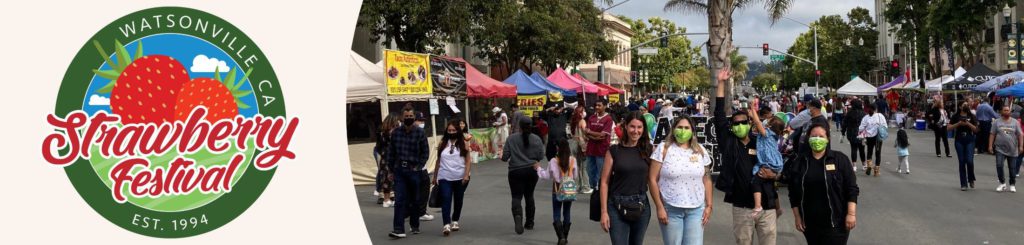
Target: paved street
926,207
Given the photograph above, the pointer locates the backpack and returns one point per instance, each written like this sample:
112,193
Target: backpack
567,189
883,131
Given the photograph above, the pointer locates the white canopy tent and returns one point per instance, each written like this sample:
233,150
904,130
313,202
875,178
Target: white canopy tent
936,84
365,80
857,86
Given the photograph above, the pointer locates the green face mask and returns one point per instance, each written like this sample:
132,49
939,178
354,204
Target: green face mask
818,144
682,135
741,130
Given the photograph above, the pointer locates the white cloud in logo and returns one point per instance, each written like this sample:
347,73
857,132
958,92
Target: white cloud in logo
98,100
201,63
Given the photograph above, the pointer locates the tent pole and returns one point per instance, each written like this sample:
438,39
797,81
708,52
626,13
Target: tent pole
467,112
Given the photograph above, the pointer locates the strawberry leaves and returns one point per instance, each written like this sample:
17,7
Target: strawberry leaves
121,60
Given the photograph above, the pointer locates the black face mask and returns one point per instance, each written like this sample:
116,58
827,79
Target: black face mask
408,121
453,136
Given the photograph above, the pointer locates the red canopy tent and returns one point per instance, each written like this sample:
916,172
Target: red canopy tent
609,89
479,85
563,79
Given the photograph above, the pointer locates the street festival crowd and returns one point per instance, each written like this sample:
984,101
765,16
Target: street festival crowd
628,157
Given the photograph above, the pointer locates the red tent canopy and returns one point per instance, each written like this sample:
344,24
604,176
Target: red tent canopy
563,79
479,85
611,90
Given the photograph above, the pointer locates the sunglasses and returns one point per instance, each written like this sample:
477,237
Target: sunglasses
744,122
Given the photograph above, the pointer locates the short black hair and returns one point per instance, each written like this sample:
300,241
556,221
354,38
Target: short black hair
515,105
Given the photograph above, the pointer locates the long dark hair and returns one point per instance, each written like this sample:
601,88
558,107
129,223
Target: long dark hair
644,142
563,155
525,129
577,116
459,139
902,139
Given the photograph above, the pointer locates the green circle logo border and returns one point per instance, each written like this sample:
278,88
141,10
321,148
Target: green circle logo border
129,216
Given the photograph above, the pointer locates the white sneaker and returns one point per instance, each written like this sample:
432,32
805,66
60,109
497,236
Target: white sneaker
426,217
447,229
455,226
1001,188
588,191
855,167
388,204
1013,189
376,193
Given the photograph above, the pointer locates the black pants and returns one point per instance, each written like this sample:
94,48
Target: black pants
940,135
874,145
522,182
856,148
423,194
826,235
984,127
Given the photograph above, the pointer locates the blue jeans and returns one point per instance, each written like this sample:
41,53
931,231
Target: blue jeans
451,191
407,185
684,226
561,209
623,232
965,156
1012,164
594,166
839,119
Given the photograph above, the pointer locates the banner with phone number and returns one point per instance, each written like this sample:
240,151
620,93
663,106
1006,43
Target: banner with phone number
407,73
531,104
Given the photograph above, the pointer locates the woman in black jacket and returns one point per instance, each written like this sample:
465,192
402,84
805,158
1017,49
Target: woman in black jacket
822,191
851,126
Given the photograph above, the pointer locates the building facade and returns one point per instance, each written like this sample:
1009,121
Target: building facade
617,70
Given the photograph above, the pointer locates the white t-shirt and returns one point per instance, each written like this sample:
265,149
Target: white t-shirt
453,164
871,123
681,178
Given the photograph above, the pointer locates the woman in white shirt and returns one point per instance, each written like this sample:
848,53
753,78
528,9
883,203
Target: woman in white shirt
680,185
451,175
563,171
869,126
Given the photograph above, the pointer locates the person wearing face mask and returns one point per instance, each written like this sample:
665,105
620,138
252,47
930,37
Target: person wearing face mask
407,155
451,175
524,151
680,185
822,191
964,126
1006,144
739,155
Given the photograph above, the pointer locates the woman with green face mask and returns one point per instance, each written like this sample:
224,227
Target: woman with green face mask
823,191
680,185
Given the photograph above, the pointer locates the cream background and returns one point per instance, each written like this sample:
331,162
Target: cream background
309,201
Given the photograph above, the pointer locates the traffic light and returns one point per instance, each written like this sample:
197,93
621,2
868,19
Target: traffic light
817,73
664,40
764,49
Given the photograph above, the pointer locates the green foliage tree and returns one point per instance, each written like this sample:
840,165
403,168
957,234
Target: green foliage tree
678,57
840,54
765,81
541,33
420,26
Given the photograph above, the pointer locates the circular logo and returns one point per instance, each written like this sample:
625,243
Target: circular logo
169,122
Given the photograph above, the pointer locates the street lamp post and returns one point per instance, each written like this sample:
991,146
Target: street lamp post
815,30
1016,32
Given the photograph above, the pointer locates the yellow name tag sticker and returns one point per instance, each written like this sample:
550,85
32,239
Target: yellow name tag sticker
751,152
693,158
830,167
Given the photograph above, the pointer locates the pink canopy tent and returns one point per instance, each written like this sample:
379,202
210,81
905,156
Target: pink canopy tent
563,79
601,90
479,85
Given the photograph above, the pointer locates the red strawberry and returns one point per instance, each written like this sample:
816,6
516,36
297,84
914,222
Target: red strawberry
220,99
144,90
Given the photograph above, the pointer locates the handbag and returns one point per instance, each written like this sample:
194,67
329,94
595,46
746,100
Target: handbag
883,130
435,197
595,206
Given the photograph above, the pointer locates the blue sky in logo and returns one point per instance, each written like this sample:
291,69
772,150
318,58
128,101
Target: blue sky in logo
183,48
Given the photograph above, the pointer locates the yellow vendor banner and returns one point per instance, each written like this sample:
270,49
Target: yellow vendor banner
407,73
613,98
531,104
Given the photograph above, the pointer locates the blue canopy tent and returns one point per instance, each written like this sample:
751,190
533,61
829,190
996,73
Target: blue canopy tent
526,85
994,83
541,79
1016,90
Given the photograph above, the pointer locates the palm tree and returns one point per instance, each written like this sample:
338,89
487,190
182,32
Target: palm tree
739,66
719,13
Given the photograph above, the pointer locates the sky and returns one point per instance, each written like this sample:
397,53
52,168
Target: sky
751,26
